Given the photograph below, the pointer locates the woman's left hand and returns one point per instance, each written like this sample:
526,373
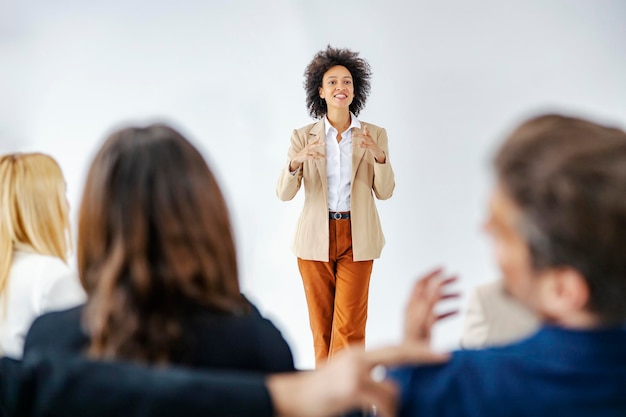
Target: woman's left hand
364,140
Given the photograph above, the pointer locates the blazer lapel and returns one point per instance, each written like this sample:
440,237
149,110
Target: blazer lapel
317,131
357,156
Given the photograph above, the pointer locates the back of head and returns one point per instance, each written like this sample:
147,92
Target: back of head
568,177
33,208
154,243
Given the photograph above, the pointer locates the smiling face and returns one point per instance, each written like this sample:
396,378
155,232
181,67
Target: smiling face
337,88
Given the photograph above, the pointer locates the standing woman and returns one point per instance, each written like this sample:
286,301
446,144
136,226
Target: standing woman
343,162
34,246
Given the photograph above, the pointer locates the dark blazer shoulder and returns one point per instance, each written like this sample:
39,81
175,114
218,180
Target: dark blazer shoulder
247,341
56,329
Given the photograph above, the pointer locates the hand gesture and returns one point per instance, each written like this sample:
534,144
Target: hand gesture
311,151
345,383
420,315
364,140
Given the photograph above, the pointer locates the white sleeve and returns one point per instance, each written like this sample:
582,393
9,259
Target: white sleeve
63,291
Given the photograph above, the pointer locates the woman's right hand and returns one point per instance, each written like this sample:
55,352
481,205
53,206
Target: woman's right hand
309,152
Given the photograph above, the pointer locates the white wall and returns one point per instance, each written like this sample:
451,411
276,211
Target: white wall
450,79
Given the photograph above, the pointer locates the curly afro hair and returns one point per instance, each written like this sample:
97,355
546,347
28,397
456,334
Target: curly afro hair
322,62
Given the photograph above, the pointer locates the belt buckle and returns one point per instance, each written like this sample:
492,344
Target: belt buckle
337,216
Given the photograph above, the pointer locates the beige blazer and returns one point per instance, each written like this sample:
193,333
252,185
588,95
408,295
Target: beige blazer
368,177
494,318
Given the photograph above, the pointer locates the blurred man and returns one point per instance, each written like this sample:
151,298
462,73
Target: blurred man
557,217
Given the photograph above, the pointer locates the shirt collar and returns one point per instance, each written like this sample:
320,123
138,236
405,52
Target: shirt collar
354,122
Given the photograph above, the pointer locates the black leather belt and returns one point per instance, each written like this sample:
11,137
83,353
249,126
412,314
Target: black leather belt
335,215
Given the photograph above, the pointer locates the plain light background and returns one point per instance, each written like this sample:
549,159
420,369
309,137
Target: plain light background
450,79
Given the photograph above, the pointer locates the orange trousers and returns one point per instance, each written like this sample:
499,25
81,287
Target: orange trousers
336,294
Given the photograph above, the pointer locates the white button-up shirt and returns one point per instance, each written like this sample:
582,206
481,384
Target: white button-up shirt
339,165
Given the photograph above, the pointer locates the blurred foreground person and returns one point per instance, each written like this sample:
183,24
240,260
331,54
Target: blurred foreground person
155,252
53,384
156,256
34,246
557,217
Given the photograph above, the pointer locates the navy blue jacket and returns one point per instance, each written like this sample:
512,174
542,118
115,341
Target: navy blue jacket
555,372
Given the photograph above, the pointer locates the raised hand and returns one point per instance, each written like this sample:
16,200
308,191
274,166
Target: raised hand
364,140
311,151
420,315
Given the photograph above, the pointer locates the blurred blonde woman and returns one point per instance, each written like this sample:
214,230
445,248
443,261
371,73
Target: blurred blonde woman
34,246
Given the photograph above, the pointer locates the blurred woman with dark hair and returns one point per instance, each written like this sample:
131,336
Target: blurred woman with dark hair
157,258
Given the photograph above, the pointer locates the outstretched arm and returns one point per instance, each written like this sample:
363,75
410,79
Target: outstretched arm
57,385
346,383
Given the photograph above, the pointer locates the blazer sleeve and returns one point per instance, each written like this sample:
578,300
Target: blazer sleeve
475,326
288,183
56,386
384,180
